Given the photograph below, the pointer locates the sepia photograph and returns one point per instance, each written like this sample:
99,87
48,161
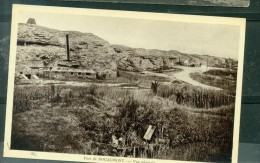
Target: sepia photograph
118,86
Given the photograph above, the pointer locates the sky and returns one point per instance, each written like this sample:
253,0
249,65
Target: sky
193,38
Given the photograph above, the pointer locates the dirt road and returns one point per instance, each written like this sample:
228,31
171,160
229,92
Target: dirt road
182,75
185,76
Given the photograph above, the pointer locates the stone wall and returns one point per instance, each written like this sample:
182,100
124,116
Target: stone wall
68,75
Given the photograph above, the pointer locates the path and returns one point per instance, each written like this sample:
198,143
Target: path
185,76
182,75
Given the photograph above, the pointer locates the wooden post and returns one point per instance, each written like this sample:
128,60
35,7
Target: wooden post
68,48
162,131
123,152
207,67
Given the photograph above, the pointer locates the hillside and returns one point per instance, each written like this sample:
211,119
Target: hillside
45,47
143,59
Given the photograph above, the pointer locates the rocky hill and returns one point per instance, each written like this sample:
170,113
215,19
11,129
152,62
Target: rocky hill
43,46
46,47
135,59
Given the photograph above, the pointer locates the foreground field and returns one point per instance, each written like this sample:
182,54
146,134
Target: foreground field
82,120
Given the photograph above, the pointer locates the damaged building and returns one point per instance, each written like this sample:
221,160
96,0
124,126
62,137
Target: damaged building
68,69
69,74
62,70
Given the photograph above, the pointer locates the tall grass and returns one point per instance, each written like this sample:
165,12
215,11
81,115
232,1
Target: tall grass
138,78
182,129
84,119
222,73
25,98
191,96
222,80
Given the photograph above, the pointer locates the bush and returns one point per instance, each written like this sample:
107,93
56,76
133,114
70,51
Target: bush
25,98
92,89
100,111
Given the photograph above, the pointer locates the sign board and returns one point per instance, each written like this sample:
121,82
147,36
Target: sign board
149,133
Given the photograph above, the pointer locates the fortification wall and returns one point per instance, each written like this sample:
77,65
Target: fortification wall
63,75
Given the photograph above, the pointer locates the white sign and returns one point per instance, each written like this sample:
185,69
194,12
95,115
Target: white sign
149,133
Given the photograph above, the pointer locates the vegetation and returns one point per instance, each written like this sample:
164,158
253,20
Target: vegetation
83,119
222,72
166,69
195,97
138,78
218,78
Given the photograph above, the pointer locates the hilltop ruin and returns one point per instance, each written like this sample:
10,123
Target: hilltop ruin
31,21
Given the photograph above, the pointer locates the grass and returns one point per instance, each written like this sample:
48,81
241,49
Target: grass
83,119
138,78
126,77
195,97
223,73
216,78
167,70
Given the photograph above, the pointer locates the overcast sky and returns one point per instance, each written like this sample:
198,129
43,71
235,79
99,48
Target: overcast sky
193,38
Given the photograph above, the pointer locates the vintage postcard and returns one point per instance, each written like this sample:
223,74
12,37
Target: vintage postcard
223,3
92,85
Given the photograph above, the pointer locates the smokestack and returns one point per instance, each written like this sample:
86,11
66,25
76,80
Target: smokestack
68,47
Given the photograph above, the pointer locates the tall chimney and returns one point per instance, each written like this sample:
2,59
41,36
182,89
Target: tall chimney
68,47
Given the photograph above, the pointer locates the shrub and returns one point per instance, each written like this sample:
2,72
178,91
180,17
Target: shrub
92,89
102,111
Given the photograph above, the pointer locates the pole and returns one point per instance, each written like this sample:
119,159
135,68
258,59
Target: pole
207,67
68,48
